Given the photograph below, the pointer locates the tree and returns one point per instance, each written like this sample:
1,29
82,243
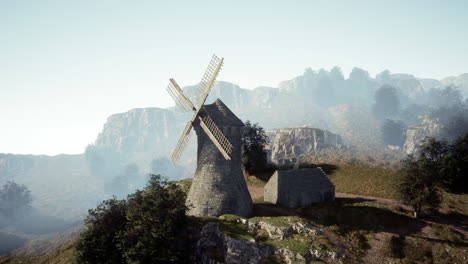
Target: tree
157,221
254,141
15,200
100,242
431,170
458,165
393,132
387,103
416,190
447,97
147,227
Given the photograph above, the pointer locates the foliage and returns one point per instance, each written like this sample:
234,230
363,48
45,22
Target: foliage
457,165
100,242
424,175
387,103
393,132
145,228
156,218
15,199
254,141
416,188
446,97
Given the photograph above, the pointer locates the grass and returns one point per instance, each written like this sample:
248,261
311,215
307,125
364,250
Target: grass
349,214
228,224
64,254
365,180
184,185
350,178
279,221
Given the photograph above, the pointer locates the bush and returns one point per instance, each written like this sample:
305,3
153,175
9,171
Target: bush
146,228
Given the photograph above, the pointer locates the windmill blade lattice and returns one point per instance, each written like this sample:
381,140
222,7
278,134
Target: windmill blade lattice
178,95
217,136
208,80
206,123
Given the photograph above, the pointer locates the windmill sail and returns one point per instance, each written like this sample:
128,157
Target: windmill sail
183,142
207,124
217,136
208,80
178,95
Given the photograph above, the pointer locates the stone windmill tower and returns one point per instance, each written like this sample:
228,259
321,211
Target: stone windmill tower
218,186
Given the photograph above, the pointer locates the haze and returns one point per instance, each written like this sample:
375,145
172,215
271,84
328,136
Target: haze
65,66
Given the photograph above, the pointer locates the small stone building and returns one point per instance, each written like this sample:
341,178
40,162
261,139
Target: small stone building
297,188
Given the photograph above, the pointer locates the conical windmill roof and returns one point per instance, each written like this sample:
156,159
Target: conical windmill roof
221,114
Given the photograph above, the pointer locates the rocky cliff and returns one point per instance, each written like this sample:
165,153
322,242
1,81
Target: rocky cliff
141,130
416,134
287,145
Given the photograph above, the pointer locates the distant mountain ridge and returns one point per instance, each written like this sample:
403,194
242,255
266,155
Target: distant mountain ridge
319,99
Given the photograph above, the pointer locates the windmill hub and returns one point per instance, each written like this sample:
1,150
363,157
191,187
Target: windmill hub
218,186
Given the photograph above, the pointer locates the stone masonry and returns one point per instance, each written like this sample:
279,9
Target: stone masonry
298,188
218,186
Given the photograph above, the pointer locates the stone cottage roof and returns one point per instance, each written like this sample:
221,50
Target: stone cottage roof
221,114
305,179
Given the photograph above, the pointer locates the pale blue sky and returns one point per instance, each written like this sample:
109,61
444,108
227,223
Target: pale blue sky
65,66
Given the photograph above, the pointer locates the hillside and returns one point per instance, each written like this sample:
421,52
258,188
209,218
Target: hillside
353,229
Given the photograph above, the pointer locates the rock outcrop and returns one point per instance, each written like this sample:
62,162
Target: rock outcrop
287,145
216,247
416,134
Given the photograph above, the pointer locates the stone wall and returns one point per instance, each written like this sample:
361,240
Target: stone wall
297,188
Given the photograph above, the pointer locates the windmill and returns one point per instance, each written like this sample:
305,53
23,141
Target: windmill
218,186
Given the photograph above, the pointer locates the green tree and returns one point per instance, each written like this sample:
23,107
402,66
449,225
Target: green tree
416,189
157,221
427,173
15,200
254,141
100,242
457,163
147,227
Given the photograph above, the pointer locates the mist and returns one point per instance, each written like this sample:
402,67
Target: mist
368,113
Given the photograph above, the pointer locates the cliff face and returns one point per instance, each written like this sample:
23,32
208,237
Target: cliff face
286,145
141,130
416,134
